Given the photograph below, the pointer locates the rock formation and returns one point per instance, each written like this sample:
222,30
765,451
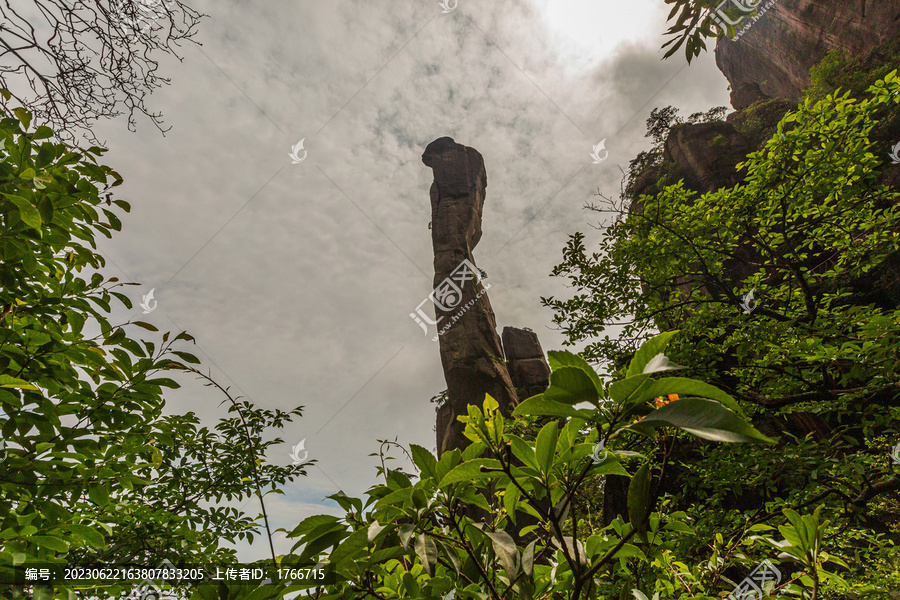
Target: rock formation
470,347
525,362
768,69
777,53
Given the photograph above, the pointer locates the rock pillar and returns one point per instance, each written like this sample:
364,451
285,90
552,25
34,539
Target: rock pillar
470,347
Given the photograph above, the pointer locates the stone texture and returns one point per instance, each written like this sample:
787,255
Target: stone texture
778,51
471,354
525,361
705,155
746,94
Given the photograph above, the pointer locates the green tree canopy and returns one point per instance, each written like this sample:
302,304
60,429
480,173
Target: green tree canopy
95,470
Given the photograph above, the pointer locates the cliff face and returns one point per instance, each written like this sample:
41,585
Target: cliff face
705,154
777,53
768,69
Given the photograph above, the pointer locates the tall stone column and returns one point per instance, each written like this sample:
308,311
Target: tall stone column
471,353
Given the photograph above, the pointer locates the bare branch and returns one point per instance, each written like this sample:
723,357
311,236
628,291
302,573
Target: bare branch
72,63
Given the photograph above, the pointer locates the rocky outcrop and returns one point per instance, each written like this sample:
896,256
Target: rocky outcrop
777,53
525,362
471,354
705,155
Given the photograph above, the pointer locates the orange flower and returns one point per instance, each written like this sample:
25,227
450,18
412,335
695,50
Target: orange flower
663,400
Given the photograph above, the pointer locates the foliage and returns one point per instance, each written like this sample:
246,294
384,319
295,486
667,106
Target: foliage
856,74
502,519
95,472
785,290
71,64
693,24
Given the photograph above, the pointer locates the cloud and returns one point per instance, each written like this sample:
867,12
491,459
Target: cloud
298,280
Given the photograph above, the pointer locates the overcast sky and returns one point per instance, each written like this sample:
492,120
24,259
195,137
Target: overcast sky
297,280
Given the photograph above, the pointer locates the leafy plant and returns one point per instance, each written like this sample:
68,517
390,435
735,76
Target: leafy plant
502,518
785,292
95,471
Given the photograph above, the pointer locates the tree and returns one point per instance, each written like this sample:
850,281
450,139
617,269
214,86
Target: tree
94,470
71,64
784,288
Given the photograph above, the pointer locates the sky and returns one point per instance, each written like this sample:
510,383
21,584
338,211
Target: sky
297,280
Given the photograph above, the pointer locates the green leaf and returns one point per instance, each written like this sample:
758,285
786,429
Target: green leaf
350,547
528,559
374,530
423,459
41,133
542,407
545,446
647,351
639,497
511,497
451,554
524,452
186,357
609,467
471,471
426,550
571,385
704,418
8,381
30,215
50,542
24,117
506,551
690,387
310,523
144,325
99,495
45,209
405,532
91,536
557,359
622,389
